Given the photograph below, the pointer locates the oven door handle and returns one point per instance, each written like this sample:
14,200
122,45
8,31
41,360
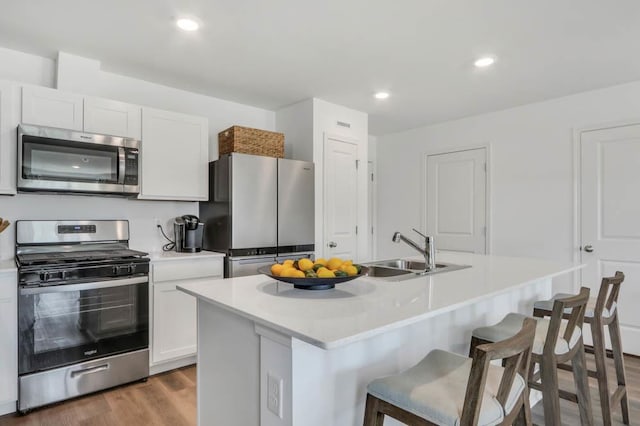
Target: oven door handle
63,288
121,165
89,370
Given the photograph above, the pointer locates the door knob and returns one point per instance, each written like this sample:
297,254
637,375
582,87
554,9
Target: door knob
332,244
588,248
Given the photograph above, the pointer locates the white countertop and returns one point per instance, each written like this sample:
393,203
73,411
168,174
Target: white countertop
365,307
173,255
8,265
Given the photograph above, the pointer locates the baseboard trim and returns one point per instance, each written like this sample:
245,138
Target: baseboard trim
171,365
8,408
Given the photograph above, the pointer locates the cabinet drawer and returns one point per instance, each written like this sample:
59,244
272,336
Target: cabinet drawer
187,269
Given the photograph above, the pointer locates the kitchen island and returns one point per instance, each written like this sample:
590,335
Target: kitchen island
269,354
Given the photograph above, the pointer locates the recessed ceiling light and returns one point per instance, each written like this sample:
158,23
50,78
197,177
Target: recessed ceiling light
187,24
381,95
484,62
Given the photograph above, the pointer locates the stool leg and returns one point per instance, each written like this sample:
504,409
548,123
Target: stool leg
580,375
550,394
618,358
599,351
372,417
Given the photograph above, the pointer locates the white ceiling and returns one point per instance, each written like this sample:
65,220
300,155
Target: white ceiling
274,53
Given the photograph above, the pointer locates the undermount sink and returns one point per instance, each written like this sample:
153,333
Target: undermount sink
402,269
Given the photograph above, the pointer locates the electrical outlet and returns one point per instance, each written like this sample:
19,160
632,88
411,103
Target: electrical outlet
274,394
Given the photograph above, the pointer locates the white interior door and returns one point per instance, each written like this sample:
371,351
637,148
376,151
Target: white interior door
456,200
610,219
340,199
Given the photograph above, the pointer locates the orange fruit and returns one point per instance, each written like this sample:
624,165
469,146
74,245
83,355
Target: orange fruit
276,269
289,272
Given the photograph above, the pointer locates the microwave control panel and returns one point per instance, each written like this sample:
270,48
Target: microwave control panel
131,167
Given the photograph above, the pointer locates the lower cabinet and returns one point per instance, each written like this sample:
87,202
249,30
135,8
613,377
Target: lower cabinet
174,322
9,339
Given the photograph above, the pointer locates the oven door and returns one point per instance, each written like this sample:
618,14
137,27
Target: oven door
47,161
65,324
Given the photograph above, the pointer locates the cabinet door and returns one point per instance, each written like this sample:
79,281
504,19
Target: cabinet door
174,323
8,123
49,107
112,118
9,338
175,155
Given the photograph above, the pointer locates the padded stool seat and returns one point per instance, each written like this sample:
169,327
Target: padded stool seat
434,389
512,323
547,305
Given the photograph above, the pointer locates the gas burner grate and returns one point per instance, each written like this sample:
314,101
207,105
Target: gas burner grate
27,259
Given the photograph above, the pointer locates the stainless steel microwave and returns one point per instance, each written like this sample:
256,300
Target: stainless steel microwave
67,161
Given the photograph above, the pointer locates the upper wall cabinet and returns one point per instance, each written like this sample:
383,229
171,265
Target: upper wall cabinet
53,108
9,112
112,118
49,107
175,156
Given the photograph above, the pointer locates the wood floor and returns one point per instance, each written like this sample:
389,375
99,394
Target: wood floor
170,399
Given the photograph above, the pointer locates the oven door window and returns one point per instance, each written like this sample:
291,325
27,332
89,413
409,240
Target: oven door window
59,327
53,159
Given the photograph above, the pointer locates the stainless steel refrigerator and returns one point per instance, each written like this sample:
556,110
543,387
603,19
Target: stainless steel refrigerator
260,210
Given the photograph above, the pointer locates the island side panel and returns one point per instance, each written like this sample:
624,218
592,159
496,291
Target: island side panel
228,368
329,386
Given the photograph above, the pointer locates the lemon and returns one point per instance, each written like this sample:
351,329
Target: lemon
321,261
325,273
276,269
305,264
288,262
348,262
299,274
351,270
334,263
289,272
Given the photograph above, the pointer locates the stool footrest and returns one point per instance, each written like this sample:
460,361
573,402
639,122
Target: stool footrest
618,395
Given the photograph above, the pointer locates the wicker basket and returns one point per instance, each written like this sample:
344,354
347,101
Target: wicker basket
251,141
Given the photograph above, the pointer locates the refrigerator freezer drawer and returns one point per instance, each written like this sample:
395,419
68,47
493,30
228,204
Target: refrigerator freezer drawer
242,267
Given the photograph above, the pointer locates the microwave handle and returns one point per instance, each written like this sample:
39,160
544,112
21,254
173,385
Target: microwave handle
121,165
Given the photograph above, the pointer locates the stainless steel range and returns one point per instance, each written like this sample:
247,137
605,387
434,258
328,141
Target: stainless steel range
83,309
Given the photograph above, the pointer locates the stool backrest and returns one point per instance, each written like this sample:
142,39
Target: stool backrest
516,353
575,307
608,294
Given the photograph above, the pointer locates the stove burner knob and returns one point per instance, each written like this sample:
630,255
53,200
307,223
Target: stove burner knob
63,275
44,276
115,270
132,268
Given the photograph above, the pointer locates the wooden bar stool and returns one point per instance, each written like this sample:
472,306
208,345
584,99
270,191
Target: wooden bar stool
449,389
556,341
600,312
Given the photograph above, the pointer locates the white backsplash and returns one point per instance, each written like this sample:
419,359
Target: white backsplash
140,214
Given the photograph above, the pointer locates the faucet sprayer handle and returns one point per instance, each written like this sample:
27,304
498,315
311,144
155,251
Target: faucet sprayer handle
420,233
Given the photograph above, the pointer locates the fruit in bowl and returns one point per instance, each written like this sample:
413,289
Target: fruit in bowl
321,268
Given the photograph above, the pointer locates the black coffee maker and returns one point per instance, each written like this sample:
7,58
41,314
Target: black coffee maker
188,233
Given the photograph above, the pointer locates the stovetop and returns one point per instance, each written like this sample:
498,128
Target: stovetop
74,257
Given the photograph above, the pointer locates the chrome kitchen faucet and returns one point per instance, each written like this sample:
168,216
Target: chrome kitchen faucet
428,251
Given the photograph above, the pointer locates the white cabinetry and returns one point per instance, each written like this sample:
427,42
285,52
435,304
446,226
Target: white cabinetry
174,329
175,156
9,339
112,118
53,108
8,123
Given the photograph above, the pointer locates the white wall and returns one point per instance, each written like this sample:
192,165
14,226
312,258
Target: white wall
80,75
26,68
531,168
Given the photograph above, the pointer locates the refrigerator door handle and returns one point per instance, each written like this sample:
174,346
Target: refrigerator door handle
252,261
